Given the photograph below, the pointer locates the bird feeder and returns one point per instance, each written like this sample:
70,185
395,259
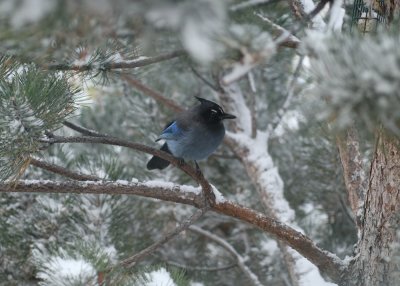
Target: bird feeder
368,14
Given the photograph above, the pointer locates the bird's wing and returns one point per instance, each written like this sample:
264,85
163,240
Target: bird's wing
171,132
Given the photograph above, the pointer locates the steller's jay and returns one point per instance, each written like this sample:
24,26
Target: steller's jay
194,134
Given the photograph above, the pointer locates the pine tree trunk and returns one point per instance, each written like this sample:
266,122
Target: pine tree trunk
374,264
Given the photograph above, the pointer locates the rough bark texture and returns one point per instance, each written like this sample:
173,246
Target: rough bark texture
374,264
353,171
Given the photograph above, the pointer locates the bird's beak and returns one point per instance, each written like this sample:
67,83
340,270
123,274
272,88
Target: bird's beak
228,116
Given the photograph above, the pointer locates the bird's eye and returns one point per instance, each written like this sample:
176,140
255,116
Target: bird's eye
214,111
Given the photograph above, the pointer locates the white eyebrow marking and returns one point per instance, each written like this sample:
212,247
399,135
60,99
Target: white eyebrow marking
213,110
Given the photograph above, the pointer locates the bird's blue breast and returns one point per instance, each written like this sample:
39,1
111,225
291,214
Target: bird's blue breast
195,143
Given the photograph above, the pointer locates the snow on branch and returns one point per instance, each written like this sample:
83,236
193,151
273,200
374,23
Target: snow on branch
108,140
112,65
291,41
259,165
251,59
325,261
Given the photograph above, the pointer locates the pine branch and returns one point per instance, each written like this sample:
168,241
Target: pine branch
83,130
108,140
152,189
131,261
152,93
239,259
62,171
327,262
109,65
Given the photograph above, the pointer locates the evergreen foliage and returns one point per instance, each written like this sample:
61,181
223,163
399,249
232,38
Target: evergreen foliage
32,102
357,77
41,235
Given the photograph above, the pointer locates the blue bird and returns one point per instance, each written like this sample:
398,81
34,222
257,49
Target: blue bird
193,135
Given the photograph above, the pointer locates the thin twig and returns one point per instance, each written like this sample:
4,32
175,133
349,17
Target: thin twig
152,93
289,95
250,3
207,82
62,171
132,260
114,65
239,259
205,269
83,130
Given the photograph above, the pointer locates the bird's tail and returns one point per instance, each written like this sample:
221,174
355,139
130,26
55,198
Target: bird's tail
158,163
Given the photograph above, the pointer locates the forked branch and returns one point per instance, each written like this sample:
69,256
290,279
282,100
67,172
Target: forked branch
324,260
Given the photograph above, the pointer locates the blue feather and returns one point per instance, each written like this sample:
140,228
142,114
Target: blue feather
172,132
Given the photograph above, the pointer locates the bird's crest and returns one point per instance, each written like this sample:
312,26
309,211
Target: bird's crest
210,104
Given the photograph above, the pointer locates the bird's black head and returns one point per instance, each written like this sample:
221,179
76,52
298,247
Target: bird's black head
211,112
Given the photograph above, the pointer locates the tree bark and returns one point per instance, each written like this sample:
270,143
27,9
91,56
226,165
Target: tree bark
353,171
373,264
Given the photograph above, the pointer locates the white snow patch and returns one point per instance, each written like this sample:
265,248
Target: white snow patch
123,182
60,269
159,184
318,21
169,185
346,261
197,43
16,127
83,59
219,197
290,121
159,277
55,206
269,246
310,275
199,22
196,284
190,189
336,16
240,109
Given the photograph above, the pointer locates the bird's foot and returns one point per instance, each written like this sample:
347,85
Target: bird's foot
181,162
198,170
